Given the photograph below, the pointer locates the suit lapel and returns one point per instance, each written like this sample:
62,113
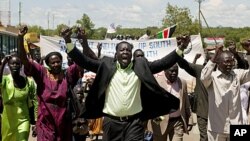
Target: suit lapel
112,69
180,91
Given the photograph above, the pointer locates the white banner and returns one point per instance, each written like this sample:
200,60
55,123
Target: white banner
153,49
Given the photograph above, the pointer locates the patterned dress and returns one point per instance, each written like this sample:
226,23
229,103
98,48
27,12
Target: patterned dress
52,124
15,116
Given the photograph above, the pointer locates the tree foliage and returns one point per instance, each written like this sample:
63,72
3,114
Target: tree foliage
86,23
229,33
181,17
99,33
37,29
174,15
59,29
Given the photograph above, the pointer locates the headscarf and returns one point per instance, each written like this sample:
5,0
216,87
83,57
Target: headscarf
51,54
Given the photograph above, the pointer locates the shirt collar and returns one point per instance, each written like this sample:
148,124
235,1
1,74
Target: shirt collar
169,83
219,73
118,66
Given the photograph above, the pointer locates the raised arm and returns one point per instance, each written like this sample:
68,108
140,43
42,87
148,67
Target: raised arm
165,62
197,56
209,68
244,74
170,59
22,52
4,62
79,58
241,62
85,46
188,67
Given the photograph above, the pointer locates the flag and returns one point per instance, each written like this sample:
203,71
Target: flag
166,33
111,28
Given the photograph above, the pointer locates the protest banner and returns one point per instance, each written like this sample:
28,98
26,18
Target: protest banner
153,49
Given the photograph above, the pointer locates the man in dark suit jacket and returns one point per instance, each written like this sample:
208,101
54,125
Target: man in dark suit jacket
125,92
201,96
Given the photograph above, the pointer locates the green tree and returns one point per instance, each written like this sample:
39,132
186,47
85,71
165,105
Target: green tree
59,28
183,19
99,33
86,23
37,29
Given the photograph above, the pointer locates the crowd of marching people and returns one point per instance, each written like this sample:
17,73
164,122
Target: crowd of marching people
120,97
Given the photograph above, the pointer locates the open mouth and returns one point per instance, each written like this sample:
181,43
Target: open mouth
174,75
124,56
229,69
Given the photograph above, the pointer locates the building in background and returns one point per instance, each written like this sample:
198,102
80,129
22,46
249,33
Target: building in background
212,41
8,39
5,13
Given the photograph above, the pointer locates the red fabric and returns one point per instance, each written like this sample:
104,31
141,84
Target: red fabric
166,33
51,122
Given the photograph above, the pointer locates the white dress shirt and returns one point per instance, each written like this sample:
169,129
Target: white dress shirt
174,89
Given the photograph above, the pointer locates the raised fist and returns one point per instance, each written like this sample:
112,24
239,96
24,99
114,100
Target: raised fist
23,30
66,34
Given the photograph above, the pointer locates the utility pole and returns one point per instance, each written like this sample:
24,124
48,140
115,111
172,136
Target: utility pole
9,14
199,14
53,21
48,23
20,6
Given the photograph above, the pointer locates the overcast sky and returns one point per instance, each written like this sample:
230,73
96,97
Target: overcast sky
127,13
